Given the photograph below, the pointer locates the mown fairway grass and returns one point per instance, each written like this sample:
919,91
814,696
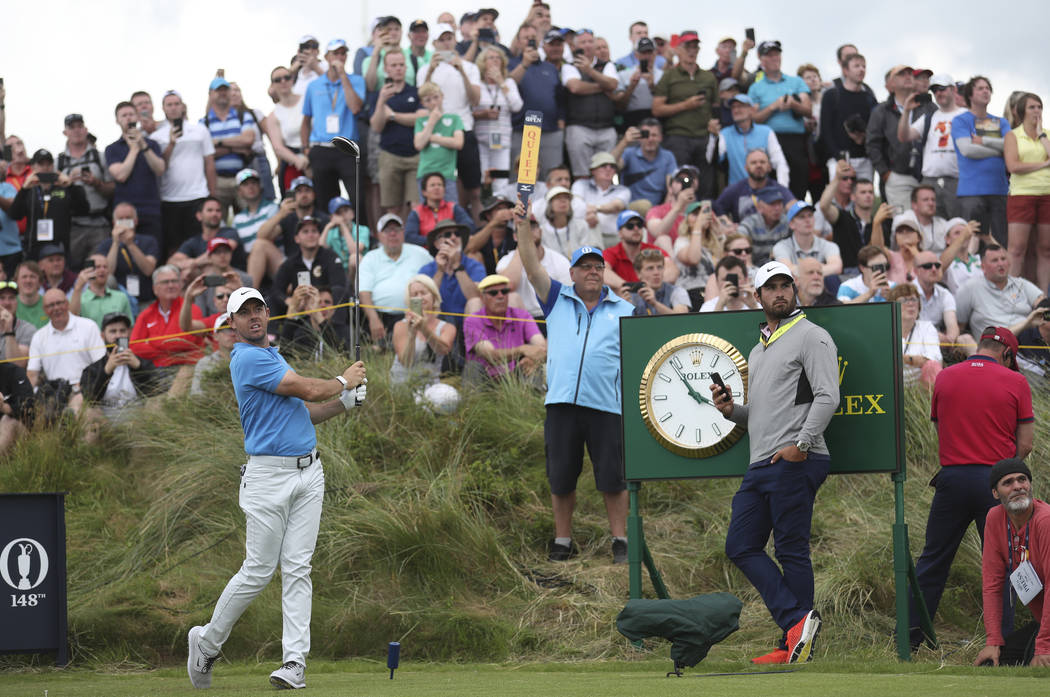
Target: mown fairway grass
582,679
433,534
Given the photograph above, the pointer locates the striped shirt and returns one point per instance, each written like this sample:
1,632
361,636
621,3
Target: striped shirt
248,223
230,163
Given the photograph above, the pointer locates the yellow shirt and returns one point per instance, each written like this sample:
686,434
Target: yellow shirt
1035,183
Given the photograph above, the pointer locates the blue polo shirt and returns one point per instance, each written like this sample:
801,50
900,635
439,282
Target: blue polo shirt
141,188
452,298
647,180
395,138
541,90
766,91
233,125
324,97
9,240
985,177
273,424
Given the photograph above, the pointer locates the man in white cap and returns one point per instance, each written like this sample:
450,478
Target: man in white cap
793,390
282,487
940,167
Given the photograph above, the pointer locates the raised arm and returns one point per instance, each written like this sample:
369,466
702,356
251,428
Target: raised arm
537,275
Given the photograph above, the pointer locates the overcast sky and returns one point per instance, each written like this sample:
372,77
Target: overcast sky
61,57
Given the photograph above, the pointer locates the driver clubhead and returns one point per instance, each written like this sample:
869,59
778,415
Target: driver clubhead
346,145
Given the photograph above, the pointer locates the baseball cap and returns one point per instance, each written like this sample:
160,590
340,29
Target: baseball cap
246,174
307,220
73,118
42,155
112,317
624,216
443,28
487,11
602,158
742,98
241,296
942,80
583,252
770,194
50,250
219,242
301,181
770,270
727,83
418,24
645,44
554,191
1011,465
906,219
726,38
6,286
767,46
468,16
494,279
552,35
1005,337
387,219
389,19
221,322
686,171
921,71
687,35
493,201
900,69
335,45
954,222
337,203
797,207
307,38
218,82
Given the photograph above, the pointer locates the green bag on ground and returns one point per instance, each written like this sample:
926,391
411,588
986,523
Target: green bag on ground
692,625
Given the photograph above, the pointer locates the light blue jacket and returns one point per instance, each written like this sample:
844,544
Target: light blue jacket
583,349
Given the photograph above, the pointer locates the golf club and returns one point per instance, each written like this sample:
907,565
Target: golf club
350,148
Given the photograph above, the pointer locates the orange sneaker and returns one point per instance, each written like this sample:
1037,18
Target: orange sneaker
775,656
802,637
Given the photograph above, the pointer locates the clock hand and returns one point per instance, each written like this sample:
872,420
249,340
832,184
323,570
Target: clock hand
692,393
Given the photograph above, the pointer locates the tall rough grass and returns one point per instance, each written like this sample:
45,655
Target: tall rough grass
433,533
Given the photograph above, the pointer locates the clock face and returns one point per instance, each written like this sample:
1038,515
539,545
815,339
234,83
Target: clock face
676,400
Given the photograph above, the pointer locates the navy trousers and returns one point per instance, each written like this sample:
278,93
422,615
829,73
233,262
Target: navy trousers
963,496
778,499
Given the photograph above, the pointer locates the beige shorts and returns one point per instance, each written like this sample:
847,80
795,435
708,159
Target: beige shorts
397,179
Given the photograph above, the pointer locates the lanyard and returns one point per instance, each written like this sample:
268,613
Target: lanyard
46,198
1010,551
781,330
494,92
333,93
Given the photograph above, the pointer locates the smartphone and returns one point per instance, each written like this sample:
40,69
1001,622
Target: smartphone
416,305
844,155
578,52
85,171
532,43
635,286
122,343
177,124
125,222
446,55
89,263
705,206
486,35
717,379
303,278
133,124
388,81
7,153
47,177
213,281
643,65
220,72
735,280
644,133
287,195
924,98
749,33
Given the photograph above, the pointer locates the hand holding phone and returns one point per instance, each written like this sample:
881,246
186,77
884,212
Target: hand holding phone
717,379
749,33
416,306
303,278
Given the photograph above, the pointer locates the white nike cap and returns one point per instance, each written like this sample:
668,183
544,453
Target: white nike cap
765,272
241,296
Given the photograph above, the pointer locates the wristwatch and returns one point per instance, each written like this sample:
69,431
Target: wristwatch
803,446
342,380
459,268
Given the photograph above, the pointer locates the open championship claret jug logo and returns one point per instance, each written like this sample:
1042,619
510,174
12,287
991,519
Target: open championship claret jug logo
23,564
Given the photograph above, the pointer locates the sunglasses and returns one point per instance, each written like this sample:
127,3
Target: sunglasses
222,296
281,78
498,291
930,265
741,252
634,225
936,88
849,179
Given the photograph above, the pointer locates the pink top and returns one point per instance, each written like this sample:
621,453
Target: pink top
513,333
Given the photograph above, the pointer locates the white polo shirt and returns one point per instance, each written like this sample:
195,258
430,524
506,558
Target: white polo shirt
64,354
184,178
455,99
933,309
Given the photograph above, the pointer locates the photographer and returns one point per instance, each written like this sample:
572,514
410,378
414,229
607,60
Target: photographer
651,295
1035,340
137,177
92,297
873,282
309,335
736,292
646,168
634,97
83,164
48,201
119,378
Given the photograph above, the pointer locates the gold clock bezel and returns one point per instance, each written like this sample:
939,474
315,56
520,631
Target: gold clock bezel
646,387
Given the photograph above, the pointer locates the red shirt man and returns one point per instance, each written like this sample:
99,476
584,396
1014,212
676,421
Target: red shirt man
619,259
161,319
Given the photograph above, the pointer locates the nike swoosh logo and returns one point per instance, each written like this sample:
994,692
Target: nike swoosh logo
150,325
21,382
